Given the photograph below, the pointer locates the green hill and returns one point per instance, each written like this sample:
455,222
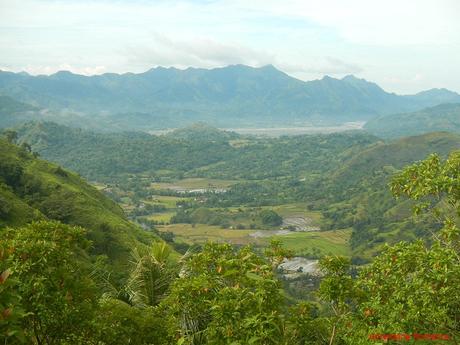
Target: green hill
444,117
34,189
99,156
197,151
202,131
359,195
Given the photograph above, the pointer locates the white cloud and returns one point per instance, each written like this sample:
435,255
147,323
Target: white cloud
84,70
305,38
326,65
389,22
47,70
162,50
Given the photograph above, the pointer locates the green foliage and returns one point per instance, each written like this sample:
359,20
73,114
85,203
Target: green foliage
271,218
337,289
226,296
431,181
227,218
33,189
118,323
5,208
151,276
412,288
275,253
47,259
305,326
10,136
11,313
121,153
195,152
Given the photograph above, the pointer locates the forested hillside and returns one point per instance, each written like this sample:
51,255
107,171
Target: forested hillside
444,117
358,193
189,151
32,189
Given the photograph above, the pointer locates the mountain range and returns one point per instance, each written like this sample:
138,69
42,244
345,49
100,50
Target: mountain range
229,96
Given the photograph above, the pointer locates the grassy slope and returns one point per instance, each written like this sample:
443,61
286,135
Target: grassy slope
46,191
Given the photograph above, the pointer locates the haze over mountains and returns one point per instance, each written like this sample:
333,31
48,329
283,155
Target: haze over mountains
235,95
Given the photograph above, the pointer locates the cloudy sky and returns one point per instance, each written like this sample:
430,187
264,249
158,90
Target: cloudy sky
403,45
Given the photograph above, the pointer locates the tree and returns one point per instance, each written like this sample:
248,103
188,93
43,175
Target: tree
55,289
11,313
271,218
151,276
118,323
338,290
5,208
11,136
411,288
26,147
226,296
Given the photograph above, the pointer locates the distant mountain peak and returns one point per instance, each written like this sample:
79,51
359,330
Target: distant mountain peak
64,75
161,68
269,67
438,91
351,77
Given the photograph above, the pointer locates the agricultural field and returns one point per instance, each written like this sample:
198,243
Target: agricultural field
314,243
297,216
190,184
300,230
168,201
202,233
319,243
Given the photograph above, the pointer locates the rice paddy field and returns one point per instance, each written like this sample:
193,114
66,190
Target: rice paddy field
194,183
301,243
307,240
335,242
202,233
